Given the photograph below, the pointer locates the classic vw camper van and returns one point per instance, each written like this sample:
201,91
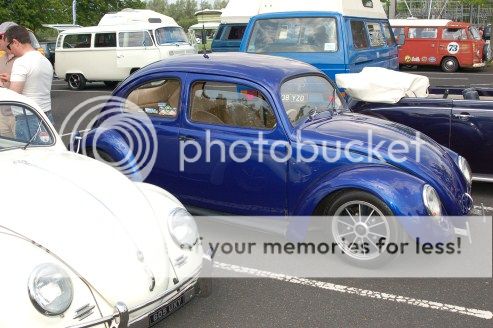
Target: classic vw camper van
339,36
440,42
122,43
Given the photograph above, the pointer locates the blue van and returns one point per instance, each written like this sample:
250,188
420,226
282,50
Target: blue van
228,37
343,41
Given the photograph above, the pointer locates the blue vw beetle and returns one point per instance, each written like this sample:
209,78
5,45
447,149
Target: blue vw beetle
248,134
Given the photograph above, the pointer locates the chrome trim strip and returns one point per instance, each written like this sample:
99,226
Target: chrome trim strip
120,313
483,177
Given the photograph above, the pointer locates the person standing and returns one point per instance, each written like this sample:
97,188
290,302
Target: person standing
31,75
7,119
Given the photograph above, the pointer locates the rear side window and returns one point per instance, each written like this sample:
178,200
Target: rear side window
230,104
134,39
399,34
389,36
422,33
454,34
77,41
376,36
105,40
358,31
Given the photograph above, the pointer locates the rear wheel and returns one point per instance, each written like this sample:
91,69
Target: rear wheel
359,221
76,81
450,64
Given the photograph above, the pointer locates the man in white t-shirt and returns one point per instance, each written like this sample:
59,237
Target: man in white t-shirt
31,75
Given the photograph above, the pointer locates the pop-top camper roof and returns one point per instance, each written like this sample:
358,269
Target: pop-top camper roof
130,16
240,11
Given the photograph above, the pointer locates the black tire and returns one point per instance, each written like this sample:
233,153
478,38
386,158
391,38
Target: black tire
76,81
111,84
450,64
372,229
104,157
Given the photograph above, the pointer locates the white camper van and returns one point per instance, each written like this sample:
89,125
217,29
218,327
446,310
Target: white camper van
122,43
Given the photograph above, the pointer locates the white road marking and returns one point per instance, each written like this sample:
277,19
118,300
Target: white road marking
86,91
486,208
488,315
457,73
448,78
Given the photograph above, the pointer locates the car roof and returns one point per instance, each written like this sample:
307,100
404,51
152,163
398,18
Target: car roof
7,95
263,69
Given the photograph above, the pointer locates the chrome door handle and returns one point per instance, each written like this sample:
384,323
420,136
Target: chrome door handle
186,138
462,116
120,56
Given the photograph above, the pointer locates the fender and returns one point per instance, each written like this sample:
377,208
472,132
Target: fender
400,191
112,143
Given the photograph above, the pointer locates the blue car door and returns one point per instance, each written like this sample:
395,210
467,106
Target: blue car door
472,133
158,96
223,167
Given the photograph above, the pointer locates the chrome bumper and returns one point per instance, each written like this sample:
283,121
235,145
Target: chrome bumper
121,314
479,65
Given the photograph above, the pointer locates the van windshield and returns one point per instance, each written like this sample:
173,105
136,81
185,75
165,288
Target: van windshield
167,35
307,34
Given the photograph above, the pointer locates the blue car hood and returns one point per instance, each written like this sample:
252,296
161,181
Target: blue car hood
435,166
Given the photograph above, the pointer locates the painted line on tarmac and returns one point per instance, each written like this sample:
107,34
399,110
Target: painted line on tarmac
488,315
79,91
449,74
448,78
486,208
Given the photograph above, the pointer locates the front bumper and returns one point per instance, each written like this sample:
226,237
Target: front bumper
478,65
187,289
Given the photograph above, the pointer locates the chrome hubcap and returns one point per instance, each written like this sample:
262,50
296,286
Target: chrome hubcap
74,81
357,227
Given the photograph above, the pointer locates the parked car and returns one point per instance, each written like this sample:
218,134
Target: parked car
230,97
440,42
81,244
462,122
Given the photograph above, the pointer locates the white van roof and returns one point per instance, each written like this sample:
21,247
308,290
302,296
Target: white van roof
240,11
130,16
419,22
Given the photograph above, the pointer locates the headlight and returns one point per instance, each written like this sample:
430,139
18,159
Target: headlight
50,289
183,228
431,201
465,169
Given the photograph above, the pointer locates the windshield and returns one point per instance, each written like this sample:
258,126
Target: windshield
307,96
166,35
20,127
308,34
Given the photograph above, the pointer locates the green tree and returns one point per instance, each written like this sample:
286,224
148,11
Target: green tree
220,4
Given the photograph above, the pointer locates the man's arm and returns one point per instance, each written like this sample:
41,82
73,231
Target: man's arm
17,86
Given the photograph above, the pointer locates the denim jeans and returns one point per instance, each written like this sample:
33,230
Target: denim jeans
26,125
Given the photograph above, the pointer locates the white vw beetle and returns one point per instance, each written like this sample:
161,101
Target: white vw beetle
80,244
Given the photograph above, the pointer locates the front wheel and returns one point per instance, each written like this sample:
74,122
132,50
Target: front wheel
450,64
76,81
360,222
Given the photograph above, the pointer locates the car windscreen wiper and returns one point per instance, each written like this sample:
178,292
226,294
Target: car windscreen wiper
38,130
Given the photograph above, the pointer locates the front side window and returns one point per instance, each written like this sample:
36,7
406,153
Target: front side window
389,36
358,31
77,41
305,96
166,35
134,39
230,104
422,33
399,34
376,36
105,40
474,33
317,34
20,126
235,32
156,98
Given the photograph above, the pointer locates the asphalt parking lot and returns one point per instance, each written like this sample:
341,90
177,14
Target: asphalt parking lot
262,302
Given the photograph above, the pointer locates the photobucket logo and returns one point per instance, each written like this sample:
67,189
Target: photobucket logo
371,150
125,139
